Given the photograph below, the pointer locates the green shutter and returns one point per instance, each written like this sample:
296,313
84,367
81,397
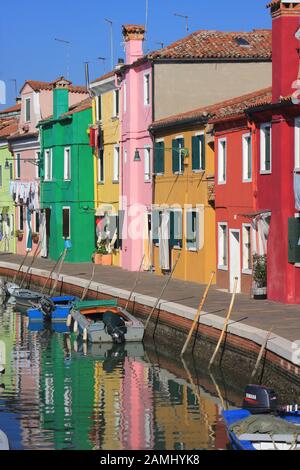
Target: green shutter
175,156
268,148
181,155
19,166
294,238
159,158
203,153
195,152
175,228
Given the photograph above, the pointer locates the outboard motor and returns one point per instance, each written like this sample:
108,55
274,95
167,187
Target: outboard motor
115,326
260,400
47,306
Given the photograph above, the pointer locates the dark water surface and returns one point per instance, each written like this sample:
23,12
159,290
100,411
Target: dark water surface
56,394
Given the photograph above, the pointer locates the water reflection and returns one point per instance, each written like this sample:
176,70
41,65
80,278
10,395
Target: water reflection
60,394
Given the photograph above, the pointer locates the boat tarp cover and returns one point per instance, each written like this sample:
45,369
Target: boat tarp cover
95,303
264,424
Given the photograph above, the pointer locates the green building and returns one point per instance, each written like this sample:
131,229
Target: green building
67,176
8,126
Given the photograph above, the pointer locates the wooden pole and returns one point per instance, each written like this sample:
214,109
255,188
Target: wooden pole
136,282
86,289
197,316
51,272
59,271
20,267
260,355
162,292
225,322
37,250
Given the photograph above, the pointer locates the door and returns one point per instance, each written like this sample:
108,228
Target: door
235,259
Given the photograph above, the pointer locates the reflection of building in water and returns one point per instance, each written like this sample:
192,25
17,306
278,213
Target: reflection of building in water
137,423
7,339
66,389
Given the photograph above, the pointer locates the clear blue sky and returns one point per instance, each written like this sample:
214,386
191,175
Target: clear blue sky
28,28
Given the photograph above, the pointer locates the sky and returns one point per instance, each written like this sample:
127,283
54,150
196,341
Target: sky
29,29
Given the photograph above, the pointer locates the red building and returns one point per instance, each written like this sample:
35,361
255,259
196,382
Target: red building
257,148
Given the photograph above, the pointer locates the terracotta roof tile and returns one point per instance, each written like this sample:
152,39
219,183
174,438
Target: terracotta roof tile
76,108
38,86
104,77
217,111
10,128
204,44
12,109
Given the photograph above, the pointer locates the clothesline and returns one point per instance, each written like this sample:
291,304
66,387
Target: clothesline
26,192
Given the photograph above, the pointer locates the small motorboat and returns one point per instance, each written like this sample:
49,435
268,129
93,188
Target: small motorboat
261,425
22,297
102,321
4,444
55,309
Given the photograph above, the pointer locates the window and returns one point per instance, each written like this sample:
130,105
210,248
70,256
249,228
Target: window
247,264
11,174
297,144
116,163
67,164
265,148
178,155
66,222
18,166
37,167
48,165
247,157
37,221
198,152
101,166
125,97
159,157
223,246
21,218
176,228
192,229
147,164
27,110
116,103
147,89
222,161
99,108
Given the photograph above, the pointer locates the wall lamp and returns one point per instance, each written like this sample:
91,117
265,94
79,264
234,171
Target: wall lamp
33,161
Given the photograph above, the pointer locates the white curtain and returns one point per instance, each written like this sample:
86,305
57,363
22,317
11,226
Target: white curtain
43,235
164,245
261,225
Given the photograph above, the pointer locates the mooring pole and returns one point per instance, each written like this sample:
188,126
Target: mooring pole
20,267
162,292
197,316
86,289
225,322
59,270
37,250
261,352
136,283
51,272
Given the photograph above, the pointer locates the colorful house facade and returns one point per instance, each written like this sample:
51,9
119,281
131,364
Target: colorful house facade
106,143
192,72
67,178
183,217
8,126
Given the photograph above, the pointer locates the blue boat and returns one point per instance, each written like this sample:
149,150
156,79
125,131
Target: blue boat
261,425
55,309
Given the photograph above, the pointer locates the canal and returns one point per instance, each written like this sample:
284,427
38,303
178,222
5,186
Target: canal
59,394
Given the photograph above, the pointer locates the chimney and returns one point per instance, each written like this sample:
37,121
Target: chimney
60,96
285,47
133,35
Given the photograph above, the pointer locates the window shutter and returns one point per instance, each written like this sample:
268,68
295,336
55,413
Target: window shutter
294,238
175,228
195,152
181,155
268,148
159,158
175,156
203,152
19,166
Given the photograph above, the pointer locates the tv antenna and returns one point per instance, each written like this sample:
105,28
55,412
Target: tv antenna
186,19
110,22
68,44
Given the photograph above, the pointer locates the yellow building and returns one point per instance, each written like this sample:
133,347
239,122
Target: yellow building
183,217
107,160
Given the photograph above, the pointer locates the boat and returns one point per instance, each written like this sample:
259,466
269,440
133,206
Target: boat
261,425
102,321
22,297
55,309
4,444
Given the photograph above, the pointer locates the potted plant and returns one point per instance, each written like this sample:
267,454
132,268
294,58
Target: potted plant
35,237
19,235
102,256
260,276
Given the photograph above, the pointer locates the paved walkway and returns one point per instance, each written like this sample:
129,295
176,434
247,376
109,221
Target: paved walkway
258,313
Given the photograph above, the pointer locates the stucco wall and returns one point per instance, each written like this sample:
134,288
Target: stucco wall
182,87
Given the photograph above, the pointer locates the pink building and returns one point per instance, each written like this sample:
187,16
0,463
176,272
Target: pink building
135,79
36,104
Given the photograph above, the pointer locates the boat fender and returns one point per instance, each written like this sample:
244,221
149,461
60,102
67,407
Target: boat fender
69,320
75,327
85,335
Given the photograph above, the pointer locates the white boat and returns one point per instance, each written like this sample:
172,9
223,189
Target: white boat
4,444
